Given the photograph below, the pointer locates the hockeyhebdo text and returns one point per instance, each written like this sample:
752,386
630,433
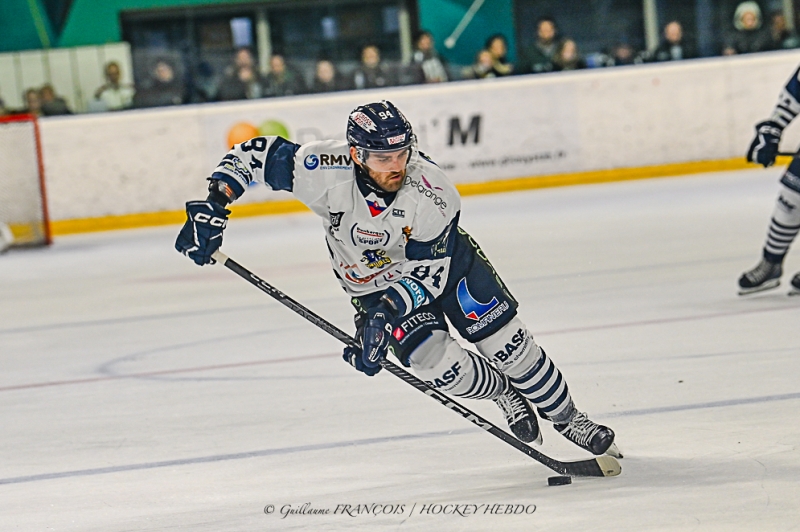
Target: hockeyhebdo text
284,511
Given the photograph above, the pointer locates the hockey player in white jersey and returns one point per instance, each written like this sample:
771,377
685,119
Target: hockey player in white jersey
391,222
785,221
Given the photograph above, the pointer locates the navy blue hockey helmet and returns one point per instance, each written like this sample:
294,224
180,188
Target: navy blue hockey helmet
379,126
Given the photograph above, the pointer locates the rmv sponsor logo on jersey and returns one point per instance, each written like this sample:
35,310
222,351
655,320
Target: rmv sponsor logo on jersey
447,377
328,161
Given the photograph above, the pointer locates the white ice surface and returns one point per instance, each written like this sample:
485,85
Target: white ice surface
140,392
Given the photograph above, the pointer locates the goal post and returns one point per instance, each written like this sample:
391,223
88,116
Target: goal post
23,203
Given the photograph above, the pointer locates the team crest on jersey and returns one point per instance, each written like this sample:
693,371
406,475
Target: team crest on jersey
375,208
375,258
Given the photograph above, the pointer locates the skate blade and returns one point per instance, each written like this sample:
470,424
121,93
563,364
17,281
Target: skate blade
766,286
614,451
794,292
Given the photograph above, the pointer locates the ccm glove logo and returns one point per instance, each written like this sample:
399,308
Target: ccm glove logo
213,221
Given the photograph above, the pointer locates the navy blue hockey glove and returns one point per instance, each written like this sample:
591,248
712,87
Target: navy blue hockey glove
375,335
201,235
764,147
352,356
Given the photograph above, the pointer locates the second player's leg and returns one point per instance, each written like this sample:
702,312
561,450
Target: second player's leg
783,228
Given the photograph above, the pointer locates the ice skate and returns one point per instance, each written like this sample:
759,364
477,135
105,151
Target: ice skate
795,285
765,276
586,434
520,416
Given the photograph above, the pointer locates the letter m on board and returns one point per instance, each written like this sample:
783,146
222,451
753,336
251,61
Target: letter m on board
456,131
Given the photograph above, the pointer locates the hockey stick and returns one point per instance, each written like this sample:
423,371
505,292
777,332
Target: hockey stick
787,153
601,466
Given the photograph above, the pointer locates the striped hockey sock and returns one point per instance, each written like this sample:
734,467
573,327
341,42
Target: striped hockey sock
545,387
779,238
487,382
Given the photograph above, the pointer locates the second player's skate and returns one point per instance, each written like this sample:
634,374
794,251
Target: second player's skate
795,289
585,433
765,276
520,416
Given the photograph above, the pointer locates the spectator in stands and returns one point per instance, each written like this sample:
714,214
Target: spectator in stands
567,57
281,80
749,36
113,95
782,37
539,56
371,74
430,66
163,87
52,104
672,46
326,78
206,84
497,46
482,68
622,54
242,80
33,103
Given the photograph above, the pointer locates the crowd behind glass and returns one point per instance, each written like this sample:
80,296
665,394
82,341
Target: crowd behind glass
750,32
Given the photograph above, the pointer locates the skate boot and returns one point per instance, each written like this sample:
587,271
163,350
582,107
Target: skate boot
519,415
586,434
764,276
795,291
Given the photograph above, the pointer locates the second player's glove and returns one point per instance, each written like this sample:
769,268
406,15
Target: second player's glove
201,235
764,147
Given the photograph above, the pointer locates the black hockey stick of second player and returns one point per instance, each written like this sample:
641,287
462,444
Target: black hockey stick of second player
601,466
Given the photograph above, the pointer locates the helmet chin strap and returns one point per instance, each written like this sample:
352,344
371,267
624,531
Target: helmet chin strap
362,174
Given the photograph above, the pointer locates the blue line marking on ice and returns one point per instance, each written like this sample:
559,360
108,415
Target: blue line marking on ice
368,441
232,456
701,406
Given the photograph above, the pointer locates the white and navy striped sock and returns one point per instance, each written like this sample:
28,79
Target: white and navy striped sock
545,387
784,225
487,382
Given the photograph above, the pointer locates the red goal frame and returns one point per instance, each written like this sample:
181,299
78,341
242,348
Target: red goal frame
40,167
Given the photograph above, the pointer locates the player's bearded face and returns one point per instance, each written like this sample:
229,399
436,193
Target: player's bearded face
387,169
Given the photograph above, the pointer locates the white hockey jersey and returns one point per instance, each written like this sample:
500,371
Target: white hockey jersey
373,242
